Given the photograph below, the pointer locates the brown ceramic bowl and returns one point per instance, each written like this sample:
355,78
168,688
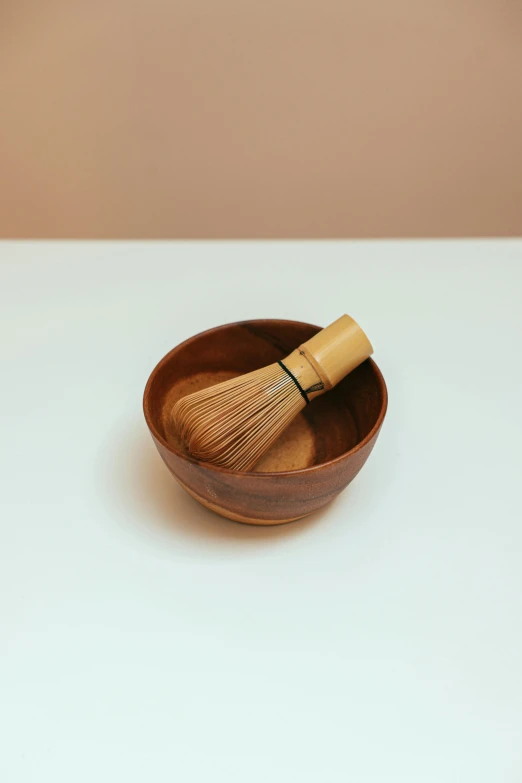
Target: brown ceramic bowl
316,458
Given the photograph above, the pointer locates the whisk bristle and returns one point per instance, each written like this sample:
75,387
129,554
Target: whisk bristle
233,423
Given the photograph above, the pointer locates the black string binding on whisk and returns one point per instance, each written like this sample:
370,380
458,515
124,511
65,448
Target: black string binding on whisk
292,376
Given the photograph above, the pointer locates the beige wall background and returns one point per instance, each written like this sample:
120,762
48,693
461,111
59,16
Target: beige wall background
273,118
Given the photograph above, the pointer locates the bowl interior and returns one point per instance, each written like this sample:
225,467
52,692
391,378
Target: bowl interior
330,426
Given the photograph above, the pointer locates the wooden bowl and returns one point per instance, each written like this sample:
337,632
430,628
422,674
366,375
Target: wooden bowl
317,457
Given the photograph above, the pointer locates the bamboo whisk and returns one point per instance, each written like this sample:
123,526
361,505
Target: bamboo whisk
234,423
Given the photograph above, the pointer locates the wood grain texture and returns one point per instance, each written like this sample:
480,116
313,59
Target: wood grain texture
342,426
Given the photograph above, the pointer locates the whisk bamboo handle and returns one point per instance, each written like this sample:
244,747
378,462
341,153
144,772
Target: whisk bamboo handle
321,362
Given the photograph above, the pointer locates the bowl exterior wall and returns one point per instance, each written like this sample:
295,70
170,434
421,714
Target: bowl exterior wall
265,498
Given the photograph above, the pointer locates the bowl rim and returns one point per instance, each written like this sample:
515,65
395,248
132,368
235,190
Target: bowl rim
269,474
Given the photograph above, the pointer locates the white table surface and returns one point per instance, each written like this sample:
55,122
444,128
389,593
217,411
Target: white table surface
143,638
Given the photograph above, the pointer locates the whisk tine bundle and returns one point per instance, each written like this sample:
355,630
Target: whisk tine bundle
233,423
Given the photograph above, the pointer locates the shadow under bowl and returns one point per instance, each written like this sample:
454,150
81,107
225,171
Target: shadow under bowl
315,459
